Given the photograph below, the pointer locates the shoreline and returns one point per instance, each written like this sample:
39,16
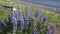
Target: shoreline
50,8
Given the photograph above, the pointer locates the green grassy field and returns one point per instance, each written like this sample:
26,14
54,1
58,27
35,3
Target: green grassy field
52,17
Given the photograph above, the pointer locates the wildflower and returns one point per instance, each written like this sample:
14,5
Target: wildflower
2,24
35,31
14,22
14,18
21,22
16,14
27,17
48,30
27,13
37,12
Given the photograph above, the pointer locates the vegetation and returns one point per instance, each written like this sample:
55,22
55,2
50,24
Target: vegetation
51,17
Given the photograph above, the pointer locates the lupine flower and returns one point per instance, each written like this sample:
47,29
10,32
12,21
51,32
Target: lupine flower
27,17
21,22
16,14
35,31
37,12
2,24
54,29
14,22
48,30
14,18
27,13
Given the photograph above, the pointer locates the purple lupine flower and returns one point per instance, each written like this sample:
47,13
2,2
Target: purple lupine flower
2,24
21,22
16,14
27,17
27,13
14,18
37,12
54,29
14,25
35,31
14,22
48,30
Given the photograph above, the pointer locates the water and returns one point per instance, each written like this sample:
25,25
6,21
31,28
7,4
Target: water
55,3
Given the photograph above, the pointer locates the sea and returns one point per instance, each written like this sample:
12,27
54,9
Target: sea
55,3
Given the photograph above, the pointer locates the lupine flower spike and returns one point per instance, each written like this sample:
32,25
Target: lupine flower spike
14,23
2,24
16,13
14,20
21,22
48,30
27,17
37,12
35,30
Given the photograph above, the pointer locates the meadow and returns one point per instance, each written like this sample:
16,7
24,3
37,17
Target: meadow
28,20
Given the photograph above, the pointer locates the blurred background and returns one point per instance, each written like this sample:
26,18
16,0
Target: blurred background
29,16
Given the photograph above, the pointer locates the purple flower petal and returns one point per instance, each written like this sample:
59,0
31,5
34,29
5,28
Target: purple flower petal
35,31
21,22
2,24
27,16
48,30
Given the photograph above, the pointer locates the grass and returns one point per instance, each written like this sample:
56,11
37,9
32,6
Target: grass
51,16
3,14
